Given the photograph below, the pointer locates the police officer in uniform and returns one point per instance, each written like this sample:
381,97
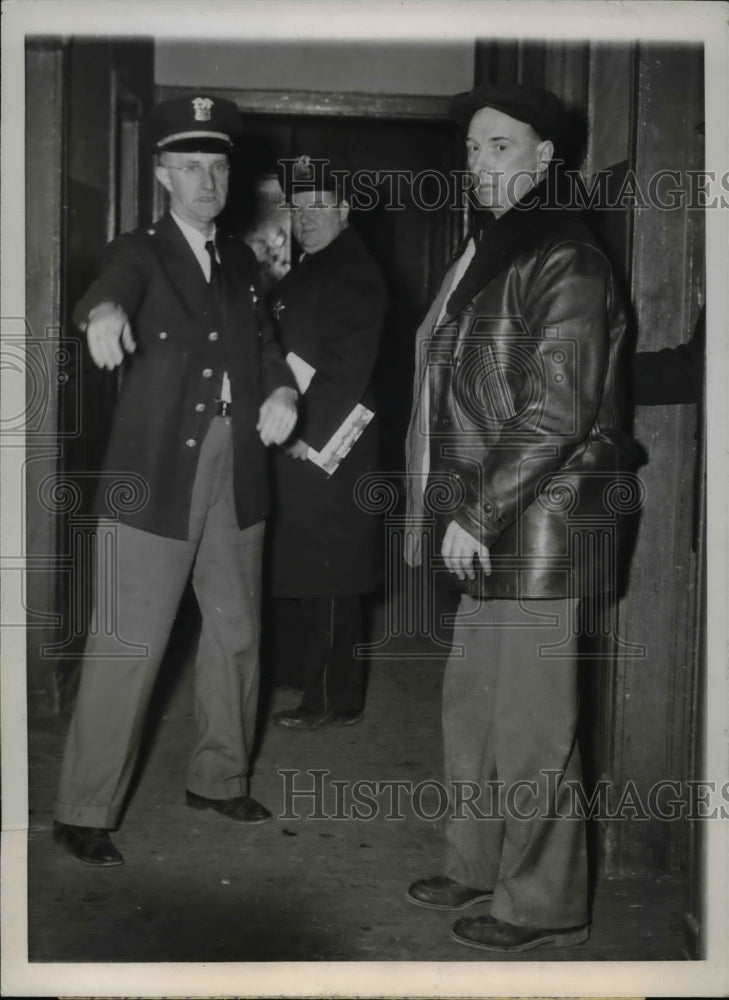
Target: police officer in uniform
204,391
325,552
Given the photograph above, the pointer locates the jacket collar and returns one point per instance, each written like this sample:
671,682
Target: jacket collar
498,241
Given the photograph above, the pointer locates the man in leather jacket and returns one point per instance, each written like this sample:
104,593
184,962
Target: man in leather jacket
518,464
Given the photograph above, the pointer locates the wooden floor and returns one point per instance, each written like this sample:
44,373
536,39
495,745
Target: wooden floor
196,887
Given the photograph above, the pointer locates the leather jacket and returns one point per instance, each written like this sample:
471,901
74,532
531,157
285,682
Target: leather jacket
527,447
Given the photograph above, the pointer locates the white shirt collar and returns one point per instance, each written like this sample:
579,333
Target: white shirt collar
193,236
196,241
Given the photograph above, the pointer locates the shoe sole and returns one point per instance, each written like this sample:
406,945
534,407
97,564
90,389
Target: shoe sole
115,863
485,897
285,724
558,940
97,864
347,722
201,806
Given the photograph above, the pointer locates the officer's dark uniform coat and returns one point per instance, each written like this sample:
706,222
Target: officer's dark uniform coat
329,312
185,342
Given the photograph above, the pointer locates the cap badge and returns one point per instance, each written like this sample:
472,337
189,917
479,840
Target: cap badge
303,169
203,107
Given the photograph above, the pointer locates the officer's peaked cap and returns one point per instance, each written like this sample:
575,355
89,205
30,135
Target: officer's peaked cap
197,123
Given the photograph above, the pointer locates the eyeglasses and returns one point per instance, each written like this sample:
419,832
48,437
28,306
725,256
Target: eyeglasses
196,171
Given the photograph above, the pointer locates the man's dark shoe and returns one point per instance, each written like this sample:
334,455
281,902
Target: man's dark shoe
300,718
242,809
347,717
490,934
89,844
443,893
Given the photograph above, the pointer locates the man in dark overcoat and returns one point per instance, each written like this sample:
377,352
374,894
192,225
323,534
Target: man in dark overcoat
517,453
325,552
183,491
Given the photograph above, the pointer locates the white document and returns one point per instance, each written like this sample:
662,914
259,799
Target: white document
302,371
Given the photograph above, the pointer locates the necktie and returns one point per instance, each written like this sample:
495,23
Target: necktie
216,277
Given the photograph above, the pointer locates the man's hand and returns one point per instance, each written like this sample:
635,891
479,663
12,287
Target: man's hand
298,449
277,415
107,332
458,550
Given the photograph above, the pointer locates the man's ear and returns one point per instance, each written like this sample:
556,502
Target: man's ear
344,210
545,152
163,176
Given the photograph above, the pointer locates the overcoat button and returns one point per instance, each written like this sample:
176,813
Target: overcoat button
163,336
191,442
207,372
200,407
213,336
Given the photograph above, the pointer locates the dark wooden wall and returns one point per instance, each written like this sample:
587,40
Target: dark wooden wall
44,98
83,98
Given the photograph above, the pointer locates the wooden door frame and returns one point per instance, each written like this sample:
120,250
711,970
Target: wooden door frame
413,108
51,489
321,104
44,157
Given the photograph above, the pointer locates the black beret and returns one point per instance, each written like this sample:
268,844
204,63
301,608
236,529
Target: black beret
308,173
192,124
538,108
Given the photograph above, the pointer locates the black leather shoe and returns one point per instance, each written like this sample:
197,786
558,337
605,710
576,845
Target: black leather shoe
490,934
89,844
300,718
242,809
348,717
443,893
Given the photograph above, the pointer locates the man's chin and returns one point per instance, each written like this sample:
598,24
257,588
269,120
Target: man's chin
208,210
486,197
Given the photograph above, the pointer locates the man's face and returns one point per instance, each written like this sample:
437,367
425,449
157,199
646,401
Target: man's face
317,219
507,157
198,185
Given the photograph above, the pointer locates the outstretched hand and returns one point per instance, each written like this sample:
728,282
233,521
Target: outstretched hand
109,335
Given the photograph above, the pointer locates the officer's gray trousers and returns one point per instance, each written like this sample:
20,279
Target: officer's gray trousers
139,581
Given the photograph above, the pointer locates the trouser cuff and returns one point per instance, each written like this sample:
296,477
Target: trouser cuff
103,817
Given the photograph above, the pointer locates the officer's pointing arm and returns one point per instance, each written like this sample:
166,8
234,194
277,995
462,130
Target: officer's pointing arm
110,304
